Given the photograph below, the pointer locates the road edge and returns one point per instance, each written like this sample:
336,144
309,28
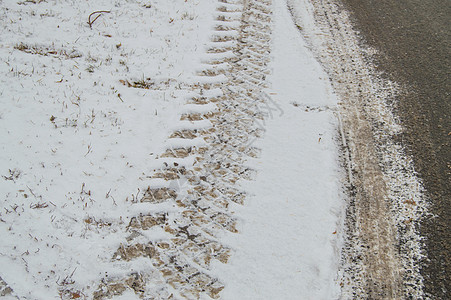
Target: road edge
386,198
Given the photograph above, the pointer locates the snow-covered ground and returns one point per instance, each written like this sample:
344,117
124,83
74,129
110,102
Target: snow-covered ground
76,142
383,252
291,234
88,114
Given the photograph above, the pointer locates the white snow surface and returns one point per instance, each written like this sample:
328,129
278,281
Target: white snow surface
289,243
76,145
76,141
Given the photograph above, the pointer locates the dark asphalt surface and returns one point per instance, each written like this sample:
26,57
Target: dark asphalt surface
413,37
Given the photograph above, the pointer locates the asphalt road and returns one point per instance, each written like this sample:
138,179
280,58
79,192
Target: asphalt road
413,37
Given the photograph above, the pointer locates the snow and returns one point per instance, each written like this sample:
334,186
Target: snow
78,145
290,239
364,91
76,140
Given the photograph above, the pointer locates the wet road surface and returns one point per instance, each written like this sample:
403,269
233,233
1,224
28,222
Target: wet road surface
413,38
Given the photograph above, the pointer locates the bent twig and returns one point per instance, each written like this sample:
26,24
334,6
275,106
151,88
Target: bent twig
98,13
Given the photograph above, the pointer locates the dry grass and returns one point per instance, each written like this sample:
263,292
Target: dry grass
31,2
48,51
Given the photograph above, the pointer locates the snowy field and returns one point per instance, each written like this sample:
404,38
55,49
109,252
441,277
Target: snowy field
93,98
290,241
77,142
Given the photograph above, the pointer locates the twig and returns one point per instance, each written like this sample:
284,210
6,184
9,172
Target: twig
31,191
99,12
89,149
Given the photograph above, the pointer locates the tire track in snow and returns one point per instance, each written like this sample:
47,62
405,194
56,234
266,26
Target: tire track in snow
206,157
383,252
5,290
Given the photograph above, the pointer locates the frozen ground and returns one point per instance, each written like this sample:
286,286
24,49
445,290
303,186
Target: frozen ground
383,252
168,150
291,233
76,142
